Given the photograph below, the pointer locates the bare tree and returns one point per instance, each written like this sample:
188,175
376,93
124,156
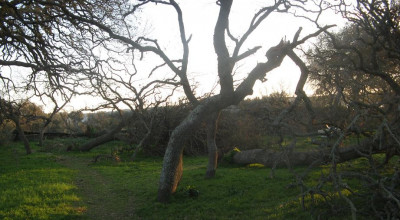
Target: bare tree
172,167
12,111
357,68
48,119
37,55
368,83
229,94
92,27
120,93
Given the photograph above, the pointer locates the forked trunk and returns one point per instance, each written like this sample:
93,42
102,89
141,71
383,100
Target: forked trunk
172,165
212,145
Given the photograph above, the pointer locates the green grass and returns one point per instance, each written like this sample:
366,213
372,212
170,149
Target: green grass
39,187
235,193
35,186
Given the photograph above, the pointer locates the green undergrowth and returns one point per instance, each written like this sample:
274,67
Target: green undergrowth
235,192
35,186
39,187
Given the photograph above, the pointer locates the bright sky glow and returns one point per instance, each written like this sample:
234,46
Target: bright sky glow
160,22
200,18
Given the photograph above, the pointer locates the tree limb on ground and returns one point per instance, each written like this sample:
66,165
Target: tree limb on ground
271,158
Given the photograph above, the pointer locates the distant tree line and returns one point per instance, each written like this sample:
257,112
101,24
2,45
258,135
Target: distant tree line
244,126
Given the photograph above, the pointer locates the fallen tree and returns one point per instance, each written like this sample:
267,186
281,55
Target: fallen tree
107,137
290,157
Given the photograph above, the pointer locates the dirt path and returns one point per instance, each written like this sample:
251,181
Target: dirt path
98,196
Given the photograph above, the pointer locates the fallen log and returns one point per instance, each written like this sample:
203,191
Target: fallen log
107,137
271,158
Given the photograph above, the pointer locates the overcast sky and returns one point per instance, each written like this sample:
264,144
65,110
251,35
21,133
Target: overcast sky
160,22
200,18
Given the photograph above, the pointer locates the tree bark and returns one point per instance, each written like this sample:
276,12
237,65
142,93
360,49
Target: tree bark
270,158
225,64
22,136
171,172
47,123
102,139
41,137
211,125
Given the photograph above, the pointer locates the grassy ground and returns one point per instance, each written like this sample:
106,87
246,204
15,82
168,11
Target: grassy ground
101,200
62,185
36,186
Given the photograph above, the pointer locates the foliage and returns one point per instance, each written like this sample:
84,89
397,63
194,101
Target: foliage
6,132
228,157
357,70
191,191
255,165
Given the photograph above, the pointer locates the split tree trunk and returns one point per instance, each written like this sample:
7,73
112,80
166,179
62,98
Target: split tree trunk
172,164
211,126
171,172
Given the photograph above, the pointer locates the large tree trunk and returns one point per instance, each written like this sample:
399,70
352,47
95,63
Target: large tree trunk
102,139
211,125
171,172
270,158
172,164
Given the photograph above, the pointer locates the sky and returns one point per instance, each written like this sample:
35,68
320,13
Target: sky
160,22
200,18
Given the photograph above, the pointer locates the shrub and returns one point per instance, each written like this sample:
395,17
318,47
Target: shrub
6,132
191,191
229,156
